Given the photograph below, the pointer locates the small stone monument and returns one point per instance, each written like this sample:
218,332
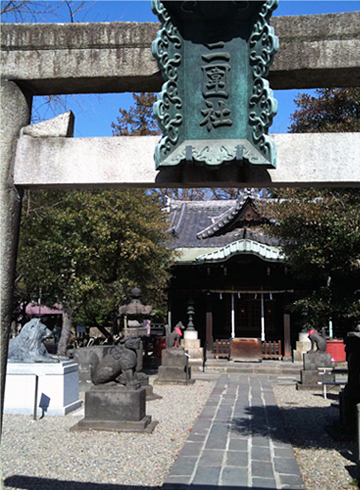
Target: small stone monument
313,360
350,395
191,342
174,367
116,401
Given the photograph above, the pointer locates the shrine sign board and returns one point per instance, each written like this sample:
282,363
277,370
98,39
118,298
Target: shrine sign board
216,105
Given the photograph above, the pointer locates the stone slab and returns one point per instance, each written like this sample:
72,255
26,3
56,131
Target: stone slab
143,425
315,51
58,388
302,159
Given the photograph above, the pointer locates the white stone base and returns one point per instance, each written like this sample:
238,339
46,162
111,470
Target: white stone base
58,388
190,335
191,344
303,345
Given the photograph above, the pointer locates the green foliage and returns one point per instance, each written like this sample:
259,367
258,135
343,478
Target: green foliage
321,234
321,228
139,119
332,111
87,249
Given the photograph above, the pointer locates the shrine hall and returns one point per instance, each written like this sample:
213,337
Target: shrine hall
233,272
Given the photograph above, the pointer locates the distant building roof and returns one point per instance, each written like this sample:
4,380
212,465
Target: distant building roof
200,228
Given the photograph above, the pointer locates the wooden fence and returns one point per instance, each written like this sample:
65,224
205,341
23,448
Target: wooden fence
272,350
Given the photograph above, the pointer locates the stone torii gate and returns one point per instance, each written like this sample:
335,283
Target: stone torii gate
315,51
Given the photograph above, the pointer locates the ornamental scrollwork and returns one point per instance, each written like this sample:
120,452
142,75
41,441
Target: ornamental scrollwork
216,100
166,49
262,105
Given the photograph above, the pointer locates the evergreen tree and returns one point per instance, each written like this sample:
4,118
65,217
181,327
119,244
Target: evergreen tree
87,249
333,110
321,227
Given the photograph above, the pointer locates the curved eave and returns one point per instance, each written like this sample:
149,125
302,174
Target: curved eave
264,252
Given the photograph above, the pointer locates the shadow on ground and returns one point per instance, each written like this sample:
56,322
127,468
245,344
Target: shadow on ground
304,427
33,483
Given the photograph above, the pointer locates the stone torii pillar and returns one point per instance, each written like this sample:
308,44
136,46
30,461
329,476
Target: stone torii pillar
15,114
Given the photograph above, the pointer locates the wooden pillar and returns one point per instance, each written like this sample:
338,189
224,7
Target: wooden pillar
232,316
209,323
287,345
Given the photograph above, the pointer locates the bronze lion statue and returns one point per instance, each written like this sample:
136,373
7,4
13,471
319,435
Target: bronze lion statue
119,365
28,345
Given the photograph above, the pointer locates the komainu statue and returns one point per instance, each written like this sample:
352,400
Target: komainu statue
119,365
28,345
318,340
175,335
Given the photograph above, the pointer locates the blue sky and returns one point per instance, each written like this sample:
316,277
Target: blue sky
94,114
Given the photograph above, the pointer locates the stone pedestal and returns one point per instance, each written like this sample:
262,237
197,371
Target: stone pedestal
58,388
245,350
303,345
173,368
191,344
113,407
309,375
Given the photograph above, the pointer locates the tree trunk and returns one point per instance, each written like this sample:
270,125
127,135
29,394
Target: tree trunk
65,332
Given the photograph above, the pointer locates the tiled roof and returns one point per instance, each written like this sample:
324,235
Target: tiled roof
206,224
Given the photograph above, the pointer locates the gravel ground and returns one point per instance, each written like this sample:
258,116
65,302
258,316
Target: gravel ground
40,452
324,463
44,455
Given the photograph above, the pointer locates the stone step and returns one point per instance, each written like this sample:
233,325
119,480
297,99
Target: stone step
266,367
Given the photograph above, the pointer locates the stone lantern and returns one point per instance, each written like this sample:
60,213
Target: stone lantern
135,313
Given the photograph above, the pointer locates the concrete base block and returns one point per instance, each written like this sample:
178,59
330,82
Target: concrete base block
175,374
173,367
115,402
58,388
316,359
115,407
309,379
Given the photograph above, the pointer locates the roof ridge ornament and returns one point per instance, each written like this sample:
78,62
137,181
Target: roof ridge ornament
216,105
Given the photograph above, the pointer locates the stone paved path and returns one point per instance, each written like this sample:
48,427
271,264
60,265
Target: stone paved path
239,441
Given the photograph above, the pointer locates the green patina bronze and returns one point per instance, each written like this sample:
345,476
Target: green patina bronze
216,105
